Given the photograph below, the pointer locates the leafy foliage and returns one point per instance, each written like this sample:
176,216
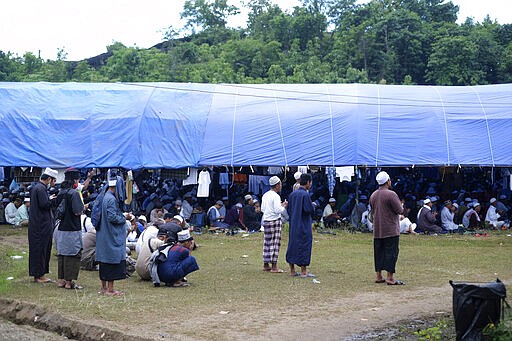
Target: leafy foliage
322,41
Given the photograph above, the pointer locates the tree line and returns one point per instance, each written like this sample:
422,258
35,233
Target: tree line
321,41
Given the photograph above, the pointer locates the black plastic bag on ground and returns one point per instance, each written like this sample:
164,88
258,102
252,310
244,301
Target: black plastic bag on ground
475,306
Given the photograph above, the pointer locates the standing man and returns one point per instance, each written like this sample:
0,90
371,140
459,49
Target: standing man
111,242
386,207
272,208
40,227
300,209
68,235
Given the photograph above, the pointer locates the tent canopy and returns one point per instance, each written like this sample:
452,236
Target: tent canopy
175,125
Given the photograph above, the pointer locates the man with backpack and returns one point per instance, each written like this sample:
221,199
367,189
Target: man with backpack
68,234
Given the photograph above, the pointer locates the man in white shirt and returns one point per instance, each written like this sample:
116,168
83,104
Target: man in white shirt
272,208
22,214
330,215
447,215
10,211
492,215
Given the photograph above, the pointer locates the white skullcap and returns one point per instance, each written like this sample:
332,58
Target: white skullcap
112,183
426,201
455,205
274,180
26,200
51,172
248,197
178,218
476,204
297,175
493,200
382,178
332,200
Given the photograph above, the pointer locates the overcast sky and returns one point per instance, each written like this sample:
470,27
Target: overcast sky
84,28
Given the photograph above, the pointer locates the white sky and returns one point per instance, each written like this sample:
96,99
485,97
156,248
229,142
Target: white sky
84,28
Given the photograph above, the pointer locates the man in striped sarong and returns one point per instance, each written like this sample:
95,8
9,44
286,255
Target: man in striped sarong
272,208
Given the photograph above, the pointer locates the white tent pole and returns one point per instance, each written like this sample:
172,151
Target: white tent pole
486,124
445,126
233,128
332,126
280,130
378,128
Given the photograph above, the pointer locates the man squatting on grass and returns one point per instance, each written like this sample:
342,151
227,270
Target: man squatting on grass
386,208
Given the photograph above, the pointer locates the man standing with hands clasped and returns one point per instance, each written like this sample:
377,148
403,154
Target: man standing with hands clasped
272,208
385,209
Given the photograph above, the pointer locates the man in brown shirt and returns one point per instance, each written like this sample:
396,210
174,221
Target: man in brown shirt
385,209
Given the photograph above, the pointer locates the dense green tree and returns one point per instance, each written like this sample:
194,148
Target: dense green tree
454,61
320,41
205,14
8,68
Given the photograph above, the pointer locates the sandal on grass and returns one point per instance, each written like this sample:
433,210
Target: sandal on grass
114,293
180,284
397,282
277,271
74,286
307,275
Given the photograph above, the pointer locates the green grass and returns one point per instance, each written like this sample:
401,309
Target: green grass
231,279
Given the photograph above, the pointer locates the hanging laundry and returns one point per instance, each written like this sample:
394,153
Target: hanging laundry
192,177
203,190
345,173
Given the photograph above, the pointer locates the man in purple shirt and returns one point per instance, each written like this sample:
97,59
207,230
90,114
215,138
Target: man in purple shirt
385,210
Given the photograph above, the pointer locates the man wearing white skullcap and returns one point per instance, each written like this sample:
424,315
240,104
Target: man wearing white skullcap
40,226
427,219
296,185
272,208
471,218
492,216
385,210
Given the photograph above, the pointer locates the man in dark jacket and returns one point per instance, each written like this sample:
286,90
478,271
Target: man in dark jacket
40,228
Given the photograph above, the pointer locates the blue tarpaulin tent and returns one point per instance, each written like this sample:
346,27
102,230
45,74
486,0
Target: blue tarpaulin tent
174,125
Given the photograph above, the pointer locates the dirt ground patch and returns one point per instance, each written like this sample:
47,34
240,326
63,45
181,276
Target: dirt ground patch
339,319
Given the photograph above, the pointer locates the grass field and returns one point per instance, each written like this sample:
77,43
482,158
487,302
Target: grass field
231,293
